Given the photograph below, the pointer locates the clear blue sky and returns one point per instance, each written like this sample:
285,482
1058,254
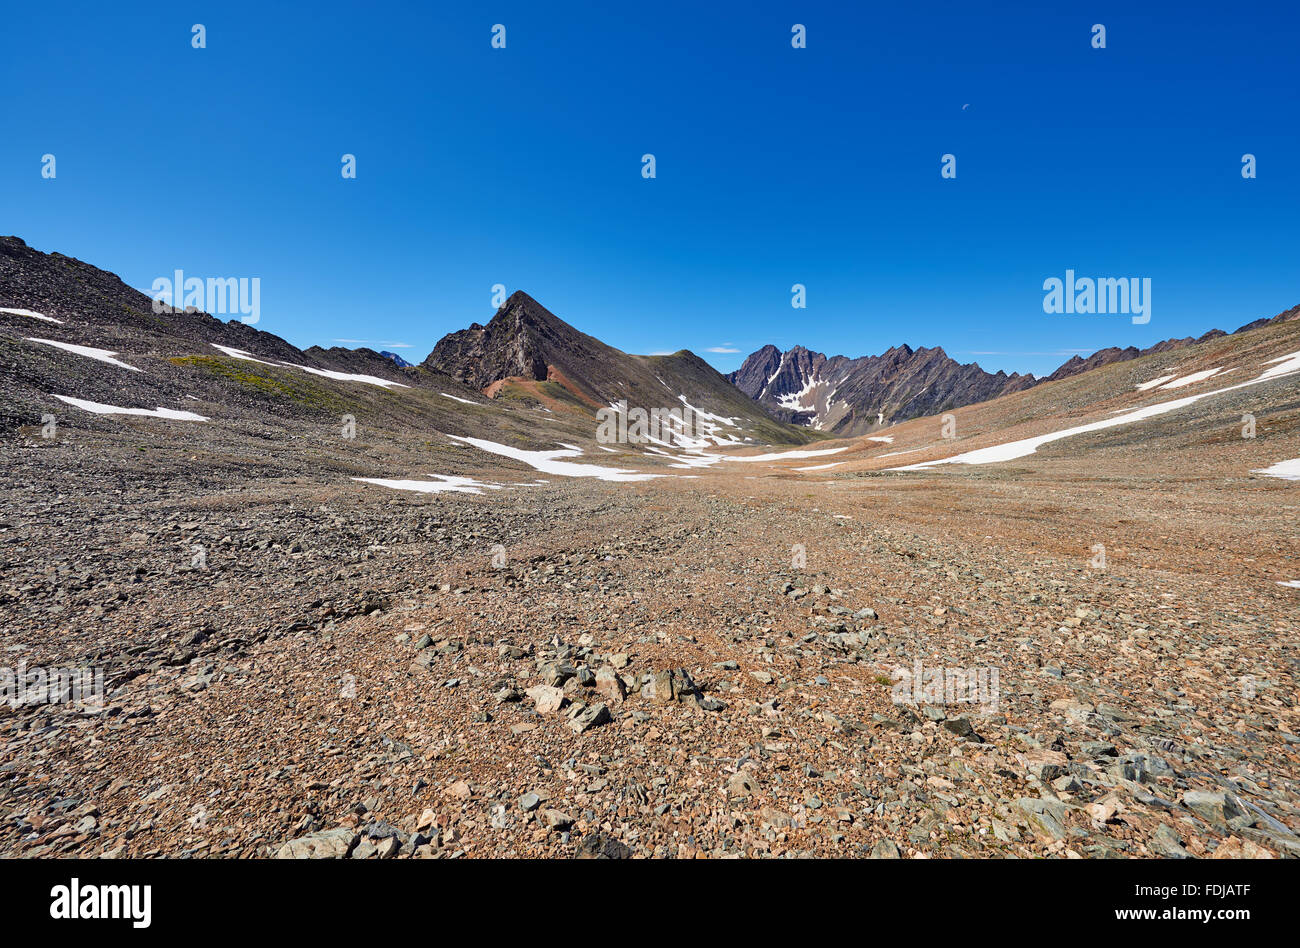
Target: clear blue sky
775,165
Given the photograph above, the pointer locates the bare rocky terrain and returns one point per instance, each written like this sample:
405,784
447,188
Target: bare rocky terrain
713,662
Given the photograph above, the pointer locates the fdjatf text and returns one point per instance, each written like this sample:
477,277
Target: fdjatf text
1103,295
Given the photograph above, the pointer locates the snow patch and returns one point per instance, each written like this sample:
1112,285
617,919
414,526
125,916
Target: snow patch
1156,383
789,455
241,354
548,462
101,409
1191,379
1282,365
1287,470
90,352
1286,365
326,373
456,399
445,483
31,313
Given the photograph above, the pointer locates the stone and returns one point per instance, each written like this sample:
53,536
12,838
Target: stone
1141,768
610,686
600,846
1045,817
1220,810
1236,848
556,674
327,844
547,698
740,785
665,687
556,820
962,728
885,849
1046,765
1166,842
591,716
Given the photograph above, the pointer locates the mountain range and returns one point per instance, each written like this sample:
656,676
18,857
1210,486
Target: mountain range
849,397
540,372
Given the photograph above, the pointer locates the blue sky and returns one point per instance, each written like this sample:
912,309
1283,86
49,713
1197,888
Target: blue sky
775,165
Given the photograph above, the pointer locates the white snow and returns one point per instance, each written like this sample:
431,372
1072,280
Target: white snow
779,367
1286,365
347,376
445,483
699,459
794,400
548,461
821,467
100,355
326,373
1155,383
101,409
1192,379
31,313
1287,470
241,354
1290,584
789,455
884,439
711,423
1283,365
707,427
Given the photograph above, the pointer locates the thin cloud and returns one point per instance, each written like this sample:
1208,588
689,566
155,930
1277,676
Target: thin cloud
998,352
724,348
374,342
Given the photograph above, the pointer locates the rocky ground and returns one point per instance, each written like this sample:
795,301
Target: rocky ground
682,668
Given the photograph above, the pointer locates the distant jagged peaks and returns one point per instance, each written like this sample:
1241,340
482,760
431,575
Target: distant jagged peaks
854,396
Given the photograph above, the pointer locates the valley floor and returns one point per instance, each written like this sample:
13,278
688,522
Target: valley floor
301,665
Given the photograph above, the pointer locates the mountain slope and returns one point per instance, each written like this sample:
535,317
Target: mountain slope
80,346
527,352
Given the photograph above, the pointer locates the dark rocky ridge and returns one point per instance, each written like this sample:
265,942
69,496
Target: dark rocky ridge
525,342
847,396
